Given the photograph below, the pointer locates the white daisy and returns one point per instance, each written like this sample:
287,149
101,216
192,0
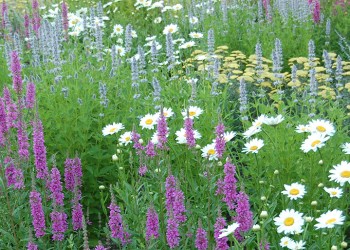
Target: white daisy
187,45
340,173
157,20
334,192
193,20
296,245
330,219
118,29
259,121
171,28
294,191
120,51
148,121
167,112
196,35
286,242
125,138
112,128
273,120
322,127
177,7
302,129
209,152
314,142
346,148
229,230
181,136
229,135
253,146
193,112
289,221
251,131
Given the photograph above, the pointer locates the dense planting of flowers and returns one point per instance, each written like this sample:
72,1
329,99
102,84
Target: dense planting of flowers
150,124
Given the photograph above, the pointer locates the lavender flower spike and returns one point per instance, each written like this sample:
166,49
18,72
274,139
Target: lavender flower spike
16,71
56,187
39,151
152,224
37,214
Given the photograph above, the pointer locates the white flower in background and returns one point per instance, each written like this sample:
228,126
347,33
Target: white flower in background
166,8
177,7
187,45
330,219
196,35
171,28
334,192
193,112
112,128
118,30
340,173
157,20
193,20
251,131
148,121
314,142
259,121
273,120
322,127
294,191
346,148
286,242
120,51
74,20
150,38
229,230
125,138
201,57
167,112
180,40
253,146
192,80
229,135
302,128
209,152
289,221
181,136
297,245
133,34
158,4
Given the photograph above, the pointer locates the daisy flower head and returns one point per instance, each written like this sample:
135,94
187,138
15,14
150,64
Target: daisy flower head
120,51
253,146
251,131
196,35
273,120
157,20
334,192
171,28
294,191
112,128
340,173
229,230
125,138
148,121
193,112
314,142
302,128
330,219
228,136
209,152
118,29
296,245
187,45
346,148
167,112
289,221
177,7
286,242
181,136
259,121
193,20
322,127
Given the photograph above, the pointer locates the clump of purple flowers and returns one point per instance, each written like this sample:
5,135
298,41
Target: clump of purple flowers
152,224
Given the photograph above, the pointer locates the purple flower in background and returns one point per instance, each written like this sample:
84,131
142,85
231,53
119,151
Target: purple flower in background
172,233
32,246
230,189
11,109
3,124
37,213
36,17
191,141
317,12
14,176
220,187
201,239
135,137
22,138
30,97
143,170
150,152
26,25
264,245
65,17
16,71
170,190
59,225
116,224
152,224
39,150
220,140
3,13
162,131
221,243
56,187
77,216
72,173
243,215
179,206
100,247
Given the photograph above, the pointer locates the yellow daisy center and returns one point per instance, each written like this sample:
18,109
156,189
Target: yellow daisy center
171,30
331,221
334,192
192,113
127,138
289,221
321,129
149,121
253,148
345,174
165,114
315,143
112,130
211,151
294,191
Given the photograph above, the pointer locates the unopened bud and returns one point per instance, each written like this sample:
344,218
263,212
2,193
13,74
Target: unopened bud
256,227
276,172
101,187
344,244
114,157
263,214
313,203
334,248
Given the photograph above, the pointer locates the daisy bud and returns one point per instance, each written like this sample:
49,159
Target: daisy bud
121,168
157,170
334,248
320,162
314,203
263,214
261,182
219,163
320,185
344,244
118,151
276,172
308,219
198,146
263,198
140,141
114,157
101,187
256,228
302,180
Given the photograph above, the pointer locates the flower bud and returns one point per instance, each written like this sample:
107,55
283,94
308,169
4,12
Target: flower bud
320,185
313,203
121,168
320,162
344,244
276,172
114,157
263,214
198,146
308,219
256,228
334,248
219,163
263,198
118,151
101,187
140,141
